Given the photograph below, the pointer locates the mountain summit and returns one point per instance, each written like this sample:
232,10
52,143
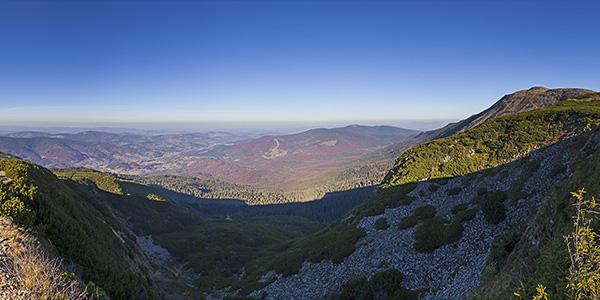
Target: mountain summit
525,100
519,101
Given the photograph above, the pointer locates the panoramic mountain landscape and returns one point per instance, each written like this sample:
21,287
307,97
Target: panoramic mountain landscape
299,149
479,214
297,167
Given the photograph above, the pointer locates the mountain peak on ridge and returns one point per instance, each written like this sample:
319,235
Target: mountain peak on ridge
525,100
537,88
520,101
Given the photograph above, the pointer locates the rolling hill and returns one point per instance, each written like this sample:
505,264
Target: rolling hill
296,167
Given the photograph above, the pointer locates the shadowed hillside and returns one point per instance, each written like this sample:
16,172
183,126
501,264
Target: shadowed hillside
473,209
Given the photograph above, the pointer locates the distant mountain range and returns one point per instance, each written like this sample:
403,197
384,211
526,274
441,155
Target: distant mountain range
285,162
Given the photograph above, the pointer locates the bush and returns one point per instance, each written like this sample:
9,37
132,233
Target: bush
425,212
357,288
454,191
433,187
434,233
408,222
459,207
465,215
384,285
492,205
381,224
388,283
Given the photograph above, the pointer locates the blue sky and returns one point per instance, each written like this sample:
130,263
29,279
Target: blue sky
128,62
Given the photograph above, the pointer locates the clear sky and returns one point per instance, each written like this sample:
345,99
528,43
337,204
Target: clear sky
71,62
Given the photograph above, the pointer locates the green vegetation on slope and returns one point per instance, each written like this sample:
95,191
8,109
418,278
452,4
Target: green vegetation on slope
331,243
103,181
221,253
79,226
384,198
408,222
493,143
536,253
383,285
217,250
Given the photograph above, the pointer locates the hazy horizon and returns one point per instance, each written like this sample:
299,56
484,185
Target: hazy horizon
172,127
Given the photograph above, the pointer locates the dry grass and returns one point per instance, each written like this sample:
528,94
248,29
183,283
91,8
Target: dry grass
28,271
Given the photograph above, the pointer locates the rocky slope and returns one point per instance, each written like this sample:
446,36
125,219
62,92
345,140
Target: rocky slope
504,171
451,271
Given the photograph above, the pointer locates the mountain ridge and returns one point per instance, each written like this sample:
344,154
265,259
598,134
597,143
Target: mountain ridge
516,102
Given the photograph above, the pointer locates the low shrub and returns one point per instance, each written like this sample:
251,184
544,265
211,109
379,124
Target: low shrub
465,215
434,233
433,187
381,224
492,205
459,207
454,191
408,222
425,212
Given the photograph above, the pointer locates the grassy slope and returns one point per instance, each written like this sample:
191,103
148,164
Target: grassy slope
493,143
80,227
